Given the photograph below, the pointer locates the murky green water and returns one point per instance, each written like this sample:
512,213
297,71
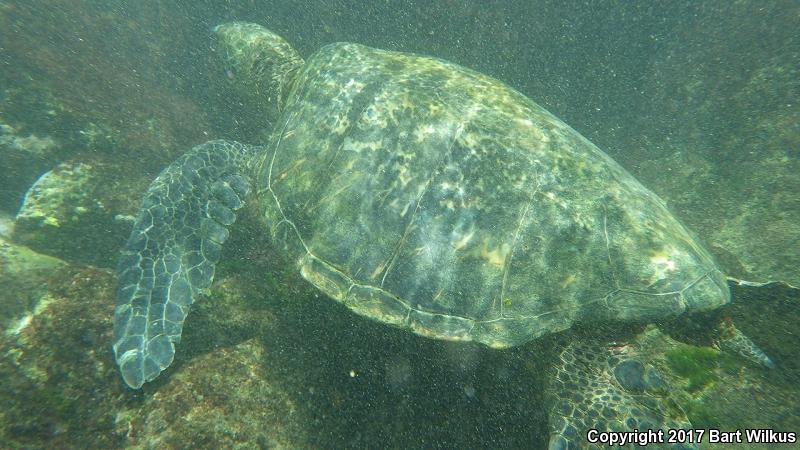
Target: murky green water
698,101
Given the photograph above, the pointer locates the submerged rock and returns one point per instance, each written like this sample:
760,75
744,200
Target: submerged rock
282,367
25,156
218,400
61,387
23,277
729,165
58,377
59,196
72,212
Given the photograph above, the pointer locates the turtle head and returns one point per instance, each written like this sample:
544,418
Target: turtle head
261,65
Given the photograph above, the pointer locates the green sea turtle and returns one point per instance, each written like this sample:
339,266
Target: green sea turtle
433,198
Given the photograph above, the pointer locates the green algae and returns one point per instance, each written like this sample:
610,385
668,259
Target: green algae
701,416
697,364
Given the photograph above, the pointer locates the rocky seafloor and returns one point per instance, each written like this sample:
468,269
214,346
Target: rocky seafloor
268,363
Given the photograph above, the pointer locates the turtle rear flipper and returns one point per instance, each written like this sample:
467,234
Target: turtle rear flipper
608,388
171,253
731,340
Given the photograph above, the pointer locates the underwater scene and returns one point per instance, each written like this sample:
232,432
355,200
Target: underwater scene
450,224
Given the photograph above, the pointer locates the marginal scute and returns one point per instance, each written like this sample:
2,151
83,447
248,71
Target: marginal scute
440,325
377,303
326,278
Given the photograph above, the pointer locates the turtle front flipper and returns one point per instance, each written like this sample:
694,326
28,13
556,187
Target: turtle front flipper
608,388
171,253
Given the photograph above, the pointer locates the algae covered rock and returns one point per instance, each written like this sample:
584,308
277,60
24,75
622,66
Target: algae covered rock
59,386
72,212
220,400
727,160
23,275
61,195
25,156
